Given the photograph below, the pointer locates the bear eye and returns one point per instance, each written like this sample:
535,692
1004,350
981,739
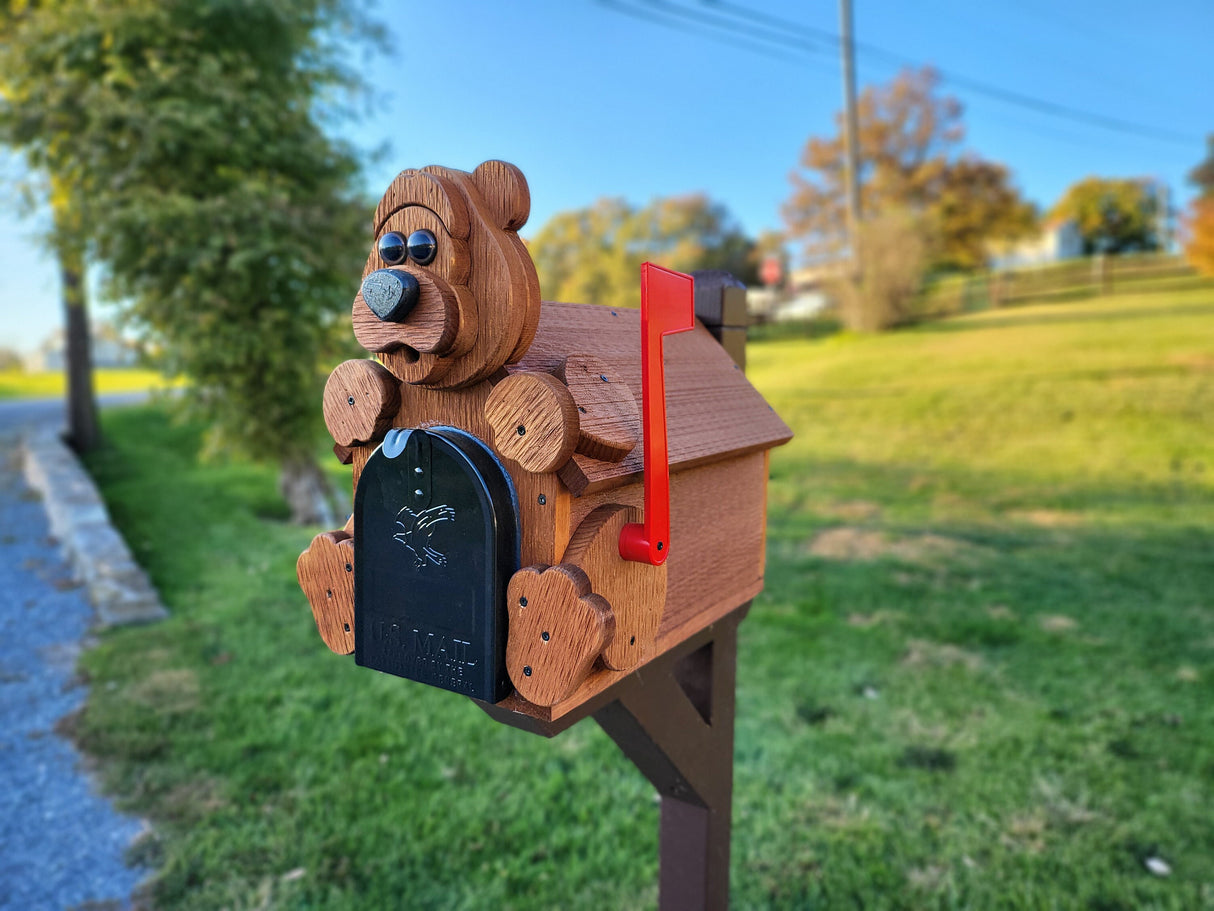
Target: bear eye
422,247
392,248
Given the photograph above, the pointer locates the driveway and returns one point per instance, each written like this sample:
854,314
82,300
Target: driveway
61,845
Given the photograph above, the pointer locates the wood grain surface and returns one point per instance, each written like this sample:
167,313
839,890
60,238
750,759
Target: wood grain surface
534,421
361,399
712,411
499,284
505,192
609,421
715,564
635,591
326,574
558,627
451,266
430,328
424,188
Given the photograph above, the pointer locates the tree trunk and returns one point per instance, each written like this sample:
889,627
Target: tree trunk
83,430
308,493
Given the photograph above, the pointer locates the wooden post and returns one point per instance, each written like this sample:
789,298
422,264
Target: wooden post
676,725
674,719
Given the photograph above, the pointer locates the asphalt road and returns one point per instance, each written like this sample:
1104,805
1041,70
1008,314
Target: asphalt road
18,413
61,844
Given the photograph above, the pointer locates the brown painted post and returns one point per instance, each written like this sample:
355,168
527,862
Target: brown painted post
676,725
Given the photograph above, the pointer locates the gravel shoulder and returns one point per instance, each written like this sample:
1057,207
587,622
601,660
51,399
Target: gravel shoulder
61,844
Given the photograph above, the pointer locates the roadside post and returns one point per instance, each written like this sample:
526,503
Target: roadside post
559,509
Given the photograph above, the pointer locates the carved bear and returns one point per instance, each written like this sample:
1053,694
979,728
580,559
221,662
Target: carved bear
543,398
449,299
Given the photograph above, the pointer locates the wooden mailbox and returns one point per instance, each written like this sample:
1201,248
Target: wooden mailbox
498,451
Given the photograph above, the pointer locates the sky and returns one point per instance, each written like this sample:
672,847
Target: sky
592,102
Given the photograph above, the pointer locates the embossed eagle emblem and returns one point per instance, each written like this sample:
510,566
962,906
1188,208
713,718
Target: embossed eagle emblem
417,528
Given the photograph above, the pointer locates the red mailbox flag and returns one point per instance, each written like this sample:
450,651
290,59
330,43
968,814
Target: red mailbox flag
667,306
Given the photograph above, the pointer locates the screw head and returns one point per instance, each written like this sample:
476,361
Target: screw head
521,430
544,635
541,499
527,671
522,602
349,400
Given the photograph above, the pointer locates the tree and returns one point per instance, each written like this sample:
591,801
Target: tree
222,211
10,359
1113,215
976,205
594,255
910,163
877,295
1200,224
39,121
1202,176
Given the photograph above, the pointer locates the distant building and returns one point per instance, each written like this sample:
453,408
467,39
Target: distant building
109,349
1059,239
802,296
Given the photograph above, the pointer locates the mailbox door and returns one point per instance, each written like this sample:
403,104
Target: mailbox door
437,536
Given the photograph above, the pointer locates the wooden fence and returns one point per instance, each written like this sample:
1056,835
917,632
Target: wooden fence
1069,280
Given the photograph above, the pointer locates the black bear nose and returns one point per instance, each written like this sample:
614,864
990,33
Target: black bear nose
390,294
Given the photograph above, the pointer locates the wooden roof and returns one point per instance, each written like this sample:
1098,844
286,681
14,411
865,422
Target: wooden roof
712,411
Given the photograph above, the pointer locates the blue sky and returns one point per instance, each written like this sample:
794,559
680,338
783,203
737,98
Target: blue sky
590,102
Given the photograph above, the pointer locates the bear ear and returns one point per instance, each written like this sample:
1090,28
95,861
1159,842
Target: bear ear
504,189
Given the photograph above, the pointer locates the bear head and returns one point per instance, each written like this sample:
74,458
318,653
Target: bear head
449,294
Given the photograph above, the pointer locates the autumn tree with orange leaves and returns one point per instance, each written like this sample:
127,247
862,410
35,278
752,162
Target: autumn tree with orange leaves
912,166
1200,223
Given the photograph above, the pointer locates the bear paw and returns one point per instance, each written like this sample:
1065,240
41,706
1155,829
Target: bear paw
558,627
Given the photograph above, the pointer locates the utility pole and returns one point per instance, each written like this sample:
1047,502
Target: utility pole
851,132
1163,215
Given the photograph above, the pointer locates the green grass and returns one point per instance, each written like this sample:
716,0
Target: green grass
18,384
980,676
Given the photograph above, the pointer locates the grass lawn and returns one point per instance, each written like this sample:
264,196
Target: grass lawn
17,384
981,676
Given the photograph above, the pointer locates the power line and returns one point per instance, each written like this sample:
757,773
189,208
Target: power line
995,92
646,15
809,40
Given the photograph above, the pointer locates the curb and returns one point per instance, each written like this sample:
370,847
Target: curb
98,555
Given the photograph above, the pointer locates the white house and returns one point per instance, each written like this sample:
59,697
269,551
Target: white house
109,349
1059,239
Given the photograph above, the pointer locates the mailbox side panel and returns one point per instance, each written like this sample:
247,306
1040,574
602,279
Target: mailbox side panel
718,538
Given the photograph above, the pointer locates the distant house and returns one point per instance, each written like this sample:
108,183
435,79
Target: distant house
800,298
805,295
1059,239
109,349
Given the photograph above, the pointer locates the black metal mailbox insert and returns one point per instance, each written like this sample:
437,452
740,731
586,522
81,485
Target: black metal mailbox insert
437,535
